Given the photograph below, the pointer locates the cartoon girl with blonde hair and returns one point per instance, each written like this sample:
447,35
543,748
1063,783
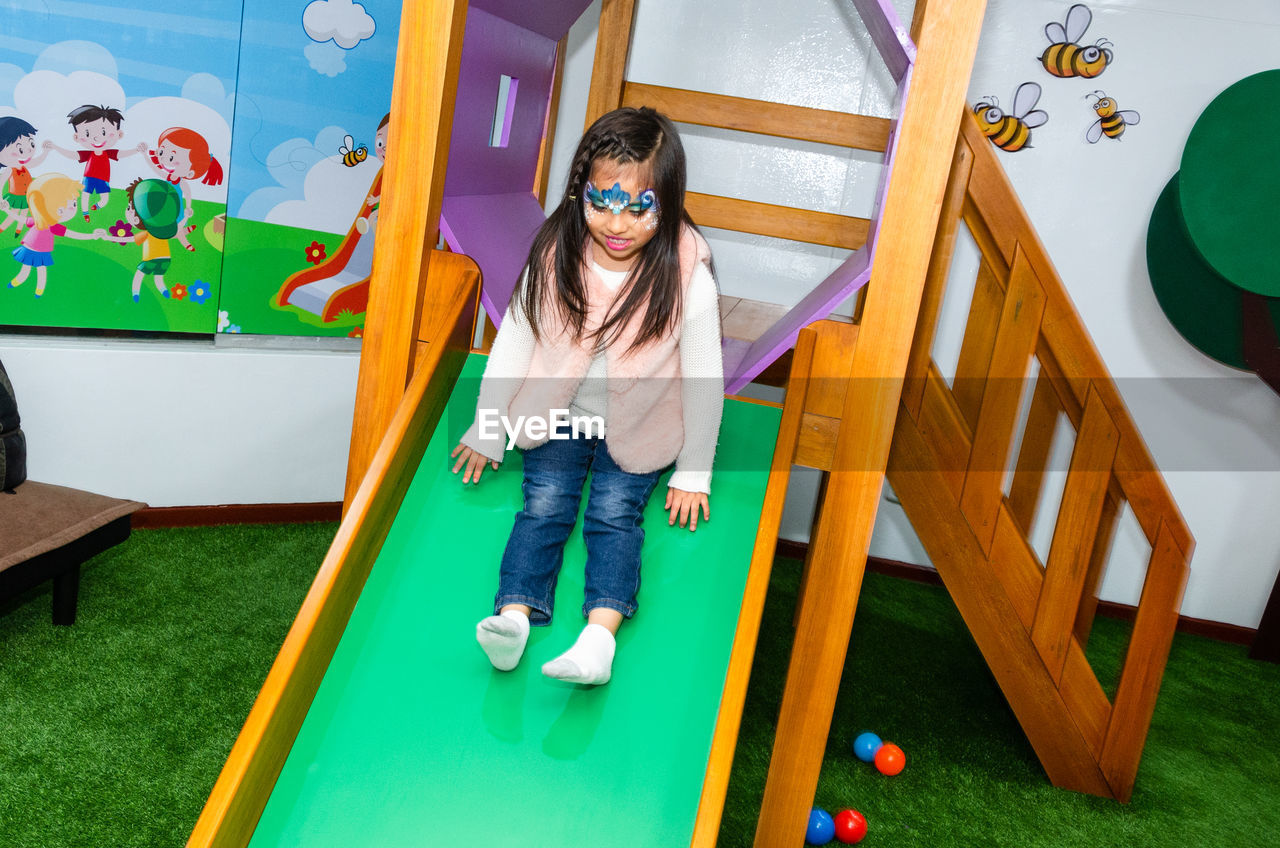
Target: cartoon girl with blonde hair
52,200
182,154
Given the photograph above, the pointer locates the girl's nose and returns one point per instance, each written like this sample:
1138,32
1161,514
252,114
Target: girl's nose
616,224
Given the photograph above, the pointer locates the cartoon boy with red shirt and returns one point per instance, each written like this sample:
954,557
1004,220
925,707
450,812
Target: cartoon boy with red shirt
96,129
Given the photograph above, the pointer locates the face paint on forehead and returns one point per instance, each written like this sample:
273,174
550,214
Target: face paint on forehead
615,199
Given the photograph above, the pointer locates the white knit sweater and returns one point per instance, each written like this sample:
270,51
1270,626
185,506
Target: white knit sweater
701,372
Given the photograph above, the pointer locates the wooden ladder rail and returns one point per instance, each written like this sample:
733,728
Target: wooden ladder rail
428,58
859,442
951,446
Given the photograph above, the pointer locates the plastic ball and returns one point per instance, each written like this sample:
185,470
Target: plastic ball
866,745
851,826
822,829
889,759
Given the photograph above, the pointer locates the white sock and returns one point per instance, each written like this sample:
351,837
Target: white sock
589,661
503,638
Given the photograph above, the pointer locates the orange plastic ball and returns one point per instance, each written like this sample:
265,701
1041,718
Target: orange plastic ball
890,760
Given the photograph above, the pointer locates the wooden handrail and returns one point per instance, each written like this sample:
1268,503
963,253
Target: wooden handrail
951,447
245,783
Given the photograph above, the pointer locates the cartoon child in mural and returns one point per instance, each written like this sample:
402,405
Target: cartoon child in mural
183,154
17,157
51,202
154,211
375,191
96,129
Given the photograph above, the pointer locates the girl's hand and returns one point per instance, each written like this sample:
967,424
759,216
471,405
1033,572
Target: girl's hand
473,461
685,505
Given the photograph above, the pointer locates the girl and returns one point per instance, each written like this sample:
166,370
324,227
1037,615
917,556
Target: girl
182,154
153,211
52,201
617,319
17,157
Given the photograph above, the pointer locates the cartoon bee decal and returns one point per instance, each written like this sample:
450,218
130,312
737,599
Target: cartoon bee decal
1011,132
1111,121
1065,56
352,155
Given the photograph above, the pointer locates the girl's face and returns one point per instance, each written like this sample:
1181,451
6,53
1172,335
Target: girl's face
175,160
19,153
131,215
621,221
67,211
380,144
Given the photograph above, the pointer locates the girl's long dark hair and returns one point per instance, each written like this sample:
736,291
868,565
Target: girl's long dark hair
554,267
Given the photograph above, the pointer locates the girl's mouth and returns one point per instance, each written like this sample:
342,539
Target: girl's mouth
617,243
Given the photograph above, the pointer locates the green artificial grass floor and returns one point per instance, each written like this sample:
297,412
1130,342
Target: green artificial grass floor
113,731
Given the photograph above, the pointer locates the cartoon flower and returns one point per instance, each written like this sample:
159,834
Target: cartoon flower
356,333
234,328
199,291
178,292
224,321
315,253
121,229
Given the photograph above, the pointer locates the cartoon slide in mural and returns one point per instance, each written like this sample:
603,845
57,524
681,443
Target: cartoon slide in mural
340,283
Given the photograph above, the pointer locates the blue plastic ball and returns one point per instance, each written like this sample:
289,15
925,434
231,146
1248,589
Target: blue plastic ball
822,828
866,745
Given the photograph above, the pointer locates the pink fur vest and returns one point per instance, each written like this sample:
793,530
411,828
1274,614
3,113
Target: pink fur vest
643,422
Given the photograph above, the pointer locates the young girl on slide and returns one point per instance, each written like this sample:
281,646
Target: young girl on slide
617,316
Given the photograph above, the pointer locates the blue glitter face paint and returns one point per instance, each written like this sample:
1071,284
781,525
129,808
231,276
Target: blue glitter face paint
616,200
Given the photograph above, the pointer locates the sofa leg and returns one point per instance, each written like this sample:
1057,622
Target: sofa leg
66,589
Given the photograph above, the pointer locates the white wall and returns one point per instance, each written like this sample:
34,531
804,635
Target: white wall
176,423
191,423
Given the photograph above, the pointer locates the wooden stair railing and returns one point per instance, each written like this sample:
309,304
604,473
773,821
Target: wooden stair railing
951,446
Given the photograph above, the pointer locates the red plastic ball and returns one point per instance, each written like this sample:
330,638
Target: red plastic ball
889,759
851,826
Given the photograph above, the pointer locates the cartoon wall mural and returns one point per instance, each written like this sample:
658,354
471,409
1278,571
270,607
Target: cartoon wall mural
1065,56
1111,119
338,285
1011,131
302,196
177,225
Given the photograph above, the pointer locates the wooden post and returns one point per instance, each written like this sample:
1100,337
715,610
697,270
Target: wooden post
422,100
948,40
613,43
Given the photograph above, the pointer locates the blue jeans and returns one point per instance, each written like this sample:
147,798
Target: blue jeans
553,478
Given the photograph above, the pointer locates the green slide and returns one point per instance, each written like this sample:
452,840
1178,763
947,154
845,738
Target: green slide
414,740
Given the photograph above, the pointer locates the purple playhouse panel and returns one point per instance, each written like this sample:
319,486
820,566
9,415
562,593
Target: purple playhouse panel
496,231
494,47
852,275
549,18
888,34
